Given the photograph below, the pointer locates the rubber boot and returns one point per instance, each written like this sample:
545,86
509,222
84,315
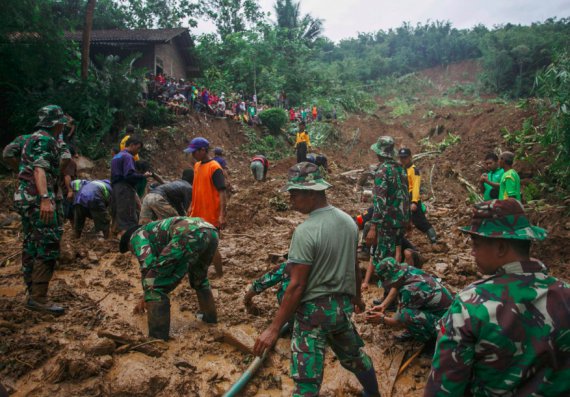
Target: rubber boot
38,301
432,235
158,315
207,306
369,383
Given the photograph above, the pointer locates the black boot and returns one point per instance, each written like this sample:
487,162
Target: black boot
207,306
432,235
369,383
158,314
37,300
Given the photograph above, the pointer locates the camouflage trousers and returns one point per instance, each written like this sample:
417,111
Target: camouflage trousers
189,253
41,245
388,240
318,323
420,324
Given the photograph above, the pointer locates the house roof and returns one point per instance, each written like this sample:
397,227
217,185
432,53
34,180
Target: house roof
131,36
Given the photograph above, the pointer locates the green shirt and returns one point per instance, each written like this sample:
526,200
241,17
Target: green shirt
495,177
327,242
510,185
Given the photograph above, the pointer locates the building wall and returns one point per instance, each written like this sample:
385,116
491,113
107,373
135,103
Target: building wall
172,63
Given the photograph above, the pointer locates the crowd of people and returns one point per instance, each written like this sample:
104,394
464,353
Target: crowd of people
506,334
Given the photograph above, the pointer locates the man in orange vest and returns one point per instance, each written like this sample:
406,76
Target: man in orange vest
209,196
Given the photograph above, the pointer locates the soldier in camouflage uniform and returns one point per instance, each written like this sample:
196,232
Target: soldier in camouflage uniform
507,334
39,202
391,205
422,301
273,277
166,250
324,289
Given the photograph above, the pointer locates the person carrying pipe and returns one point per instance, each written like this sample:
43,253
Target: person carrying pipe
166,250
324,289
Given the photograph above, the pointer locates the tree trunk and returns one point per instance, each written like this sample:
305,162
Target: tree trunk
89,11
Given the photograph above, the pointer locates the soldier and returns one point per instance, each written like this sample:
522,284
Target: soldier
417,209
39,202
506,334
391,205
273,277
324,289
167,250
422,301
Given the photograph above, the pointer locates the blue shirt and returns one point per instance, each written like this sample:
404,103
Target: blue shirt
92,194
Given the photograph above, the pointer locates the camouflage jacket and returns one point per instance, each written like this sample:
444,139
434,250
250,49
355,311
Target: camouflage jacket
391,198
14,148
423,291
153,246
273,277
505,335
39,150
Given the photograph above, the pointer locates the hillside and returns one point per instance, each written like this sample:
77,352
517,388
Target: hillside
83,353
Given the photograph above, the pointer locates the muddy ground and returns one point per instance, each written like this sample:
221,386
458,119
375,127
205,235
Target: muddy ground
98,348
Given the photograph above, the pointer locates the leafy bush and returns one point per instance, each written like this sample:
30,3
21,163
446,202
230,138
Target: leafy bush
153,114
274,147
400,107
274,119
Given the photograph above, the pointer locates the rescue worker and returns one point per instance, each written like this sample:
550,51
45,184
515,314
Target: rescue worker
259,166
422,301
38,200
417,208
92,200
168,200
391,205
490,181
510,185
166,250
302,143
324,289
507,334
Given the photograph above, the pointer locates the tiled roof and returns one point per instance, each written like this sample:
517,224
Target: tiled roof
133,35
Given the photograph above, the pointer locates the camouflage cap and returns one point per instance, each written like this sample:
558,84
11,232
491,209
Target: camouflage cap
390,271
51,115
384,146
305,176
503,219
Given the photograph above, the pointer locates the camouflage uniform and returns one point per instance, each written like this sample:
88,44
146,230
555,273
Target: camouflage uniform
391,201
422,299
324,319
41,240
14,148
507,334
271,278
170,248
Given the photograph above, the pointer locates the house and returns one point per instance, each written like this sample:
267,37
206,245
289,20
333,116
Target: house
167,51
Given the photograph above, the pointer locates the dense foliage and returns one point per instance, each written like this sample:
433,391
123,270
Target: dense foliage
253,53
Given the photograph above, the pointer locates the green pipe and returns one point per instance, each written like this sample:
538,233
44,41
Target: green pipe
246,376
251,370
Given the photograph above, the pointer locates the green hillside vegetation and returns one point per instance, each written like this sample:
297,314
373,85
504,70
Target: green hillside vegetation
253,52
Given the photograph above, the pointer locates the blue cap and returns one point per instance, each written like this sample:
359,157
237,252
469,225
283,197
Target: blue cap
196,144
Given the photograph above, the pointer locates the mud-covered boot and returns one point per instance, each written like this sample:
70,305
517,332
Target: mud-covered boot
207,306
37,300
158,315
369,383
432,235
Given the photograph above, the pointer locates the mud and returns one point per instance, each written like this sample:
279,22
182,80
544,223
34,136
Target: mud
98,348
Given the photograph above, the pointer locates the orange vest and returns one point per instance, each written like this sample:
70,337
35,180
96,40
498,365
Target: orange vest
205,196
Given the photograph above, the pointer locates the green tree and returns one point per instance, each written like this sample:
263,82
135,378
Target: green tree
233,16
297,26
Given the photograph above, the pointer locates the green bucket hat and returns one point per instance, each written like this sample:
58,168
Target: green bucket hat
305,176
50,116
390,271
384,146
503,219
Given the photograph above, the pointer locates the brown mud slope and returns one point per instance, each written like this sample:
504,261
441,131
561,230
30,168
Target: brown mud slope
98,348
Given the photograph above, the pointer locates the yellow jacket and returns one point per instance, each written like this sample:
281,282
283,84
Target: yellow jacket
122,147
302,136
414,181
